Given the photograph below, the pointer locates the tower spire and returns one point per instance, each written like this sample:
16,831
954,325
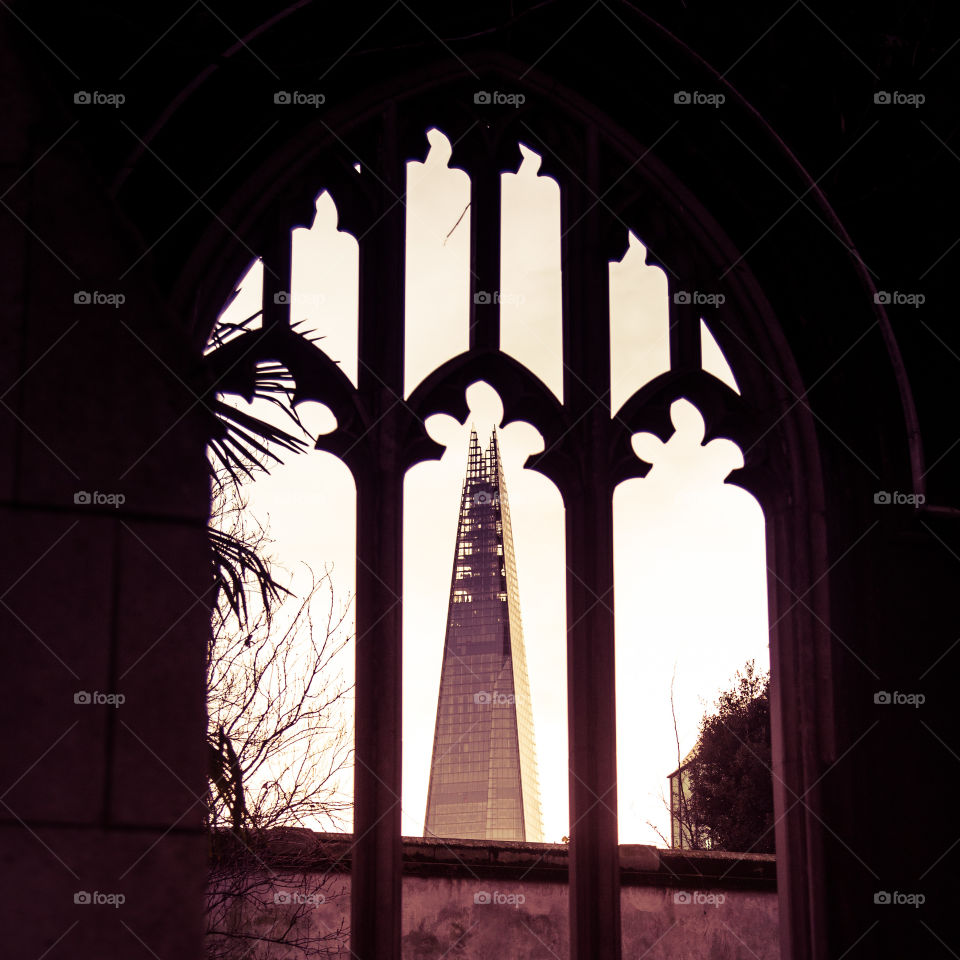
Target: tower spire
483,776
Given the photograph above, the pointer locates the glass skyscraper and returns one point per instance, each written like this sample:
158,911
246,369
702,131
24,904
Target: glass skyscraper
483,776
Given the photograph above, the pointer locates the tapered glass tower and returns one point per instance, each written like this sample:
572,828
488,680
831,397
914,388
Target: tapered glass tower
483,777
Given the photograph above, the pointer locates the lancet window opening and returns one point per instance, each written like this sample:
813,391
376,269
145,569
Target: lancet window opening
380,435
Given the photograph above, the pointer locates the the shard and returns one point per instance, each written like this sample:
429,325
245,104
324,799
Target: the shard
483,776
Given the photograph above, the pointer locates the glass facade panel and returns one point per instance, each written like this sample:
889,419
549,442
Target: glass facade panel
483,776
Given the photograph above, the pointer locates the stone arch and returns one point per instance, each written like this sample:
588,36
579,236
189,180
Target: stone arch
769,341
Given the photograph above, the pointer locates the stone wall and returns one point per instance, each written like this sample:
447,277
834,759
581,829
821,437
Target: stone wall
476,900
104,564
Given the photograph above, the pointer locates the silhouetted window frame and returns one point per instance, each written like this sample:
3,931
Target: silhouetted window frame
609,184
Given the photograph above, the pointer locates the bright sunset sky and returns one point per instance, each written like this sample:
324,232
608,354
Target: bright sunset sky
689,557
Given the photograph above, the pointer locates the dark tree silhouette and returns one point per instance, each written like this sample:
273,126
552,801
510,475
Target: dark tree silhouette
730,796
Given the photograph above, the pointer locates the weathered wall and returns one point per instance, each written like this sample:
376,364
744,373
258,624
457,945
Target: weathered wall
479,901
104,569
441,918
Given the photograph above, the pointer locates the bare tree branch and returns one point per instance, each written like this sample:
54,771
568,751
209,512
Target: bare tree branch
279,743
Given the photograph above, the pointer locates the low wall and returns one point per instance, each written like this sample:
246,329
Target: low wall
479,900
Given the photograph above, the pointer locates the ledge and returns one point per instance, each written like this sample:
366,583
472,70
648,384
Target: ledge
307,850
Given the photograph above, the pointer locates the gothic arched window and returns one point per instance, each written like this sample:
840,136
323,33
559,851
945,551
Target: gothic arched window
582,392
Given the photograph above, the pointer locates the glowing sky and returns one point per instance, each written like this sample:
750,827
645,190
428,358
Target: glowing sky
690,594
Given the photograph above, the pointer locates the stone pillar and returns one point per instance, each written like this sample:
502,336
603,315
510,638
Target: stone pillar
104,571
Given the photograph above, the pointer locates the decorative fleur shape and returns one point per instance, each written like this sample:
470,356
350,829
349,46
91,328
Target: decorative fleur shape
716,459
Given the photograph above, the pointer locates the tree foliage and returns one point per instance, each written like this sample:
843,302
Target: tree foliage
729,803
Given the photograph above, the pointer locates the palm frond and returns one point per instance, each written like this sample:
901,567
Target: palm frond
235,565
242,443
